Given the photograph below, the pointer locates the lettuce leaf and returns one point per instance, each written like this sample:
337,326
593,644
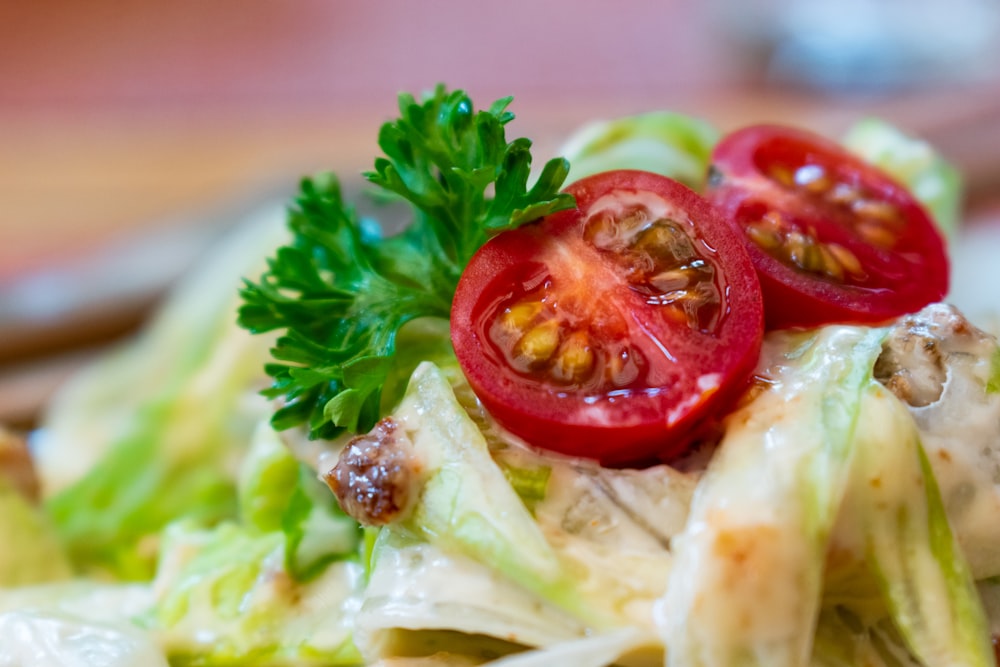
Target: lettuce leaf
277,493
223,597
418,593
761,518
662,142
924,578
72,623
30,551
844,639
194,410
466,504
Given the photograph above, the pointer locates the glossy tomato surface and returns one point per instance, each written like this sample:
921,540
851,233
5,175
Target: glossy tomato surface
610,331
833,238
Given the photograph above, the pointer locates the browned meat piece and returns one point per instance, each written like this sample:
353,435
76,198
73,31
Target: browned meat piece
16,467
376,475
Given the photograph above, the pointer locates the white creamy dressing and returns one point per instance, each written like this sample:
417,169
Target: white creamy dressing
50,640
961,434
76,625
416,586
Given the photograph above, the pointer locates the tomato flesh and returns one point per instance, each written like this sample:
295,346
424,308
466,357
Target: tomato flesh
610,331
833,238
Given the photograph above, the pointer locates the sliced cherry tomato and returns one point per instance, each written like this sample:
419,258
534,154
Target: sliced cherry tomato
609,331
833,238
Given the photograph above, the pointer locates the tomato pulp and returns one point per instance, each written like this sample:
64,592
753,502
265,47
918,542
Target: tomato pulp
833,238
611,330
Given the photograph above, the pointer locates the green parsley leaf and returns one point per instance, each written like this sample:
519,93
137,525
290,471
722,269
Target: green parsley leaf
341,296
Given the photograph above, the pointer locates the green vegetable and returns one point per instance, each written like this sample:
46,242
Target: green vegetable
914,163
341,296
267,479
925,580
171,455
993,383
224,598
421,599
529,484
467,505
662,142
29,549
317,532
748,572
843,639
277,493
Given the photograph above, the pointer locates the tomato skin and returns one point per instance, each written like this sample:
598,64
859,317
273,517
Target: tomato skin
654,412
904,269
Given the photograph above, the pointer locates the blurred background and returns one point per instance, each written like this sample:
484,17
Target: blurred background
132,134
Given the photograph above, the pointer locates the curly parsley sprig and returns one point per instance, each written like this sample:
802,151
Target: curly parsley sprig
341,297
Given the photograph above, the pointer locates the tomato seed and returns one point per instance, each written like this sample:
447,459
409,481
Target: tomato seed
814,258
795,245
664,241
773,220
538,344
781,174
671,280
875,233
520,316
575,359
768,239
881,211
846,259
831,266
843,194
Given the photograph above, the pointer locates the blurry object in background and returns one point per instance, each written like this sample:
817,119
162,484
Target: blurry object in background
105,291
16,469
868,46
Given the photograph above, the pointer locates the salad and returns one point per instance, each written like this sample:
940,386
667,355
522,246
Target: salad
677,398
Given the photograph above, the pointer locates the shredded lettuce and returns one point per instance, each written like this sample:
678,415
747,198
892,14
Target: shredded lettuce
591,557
317,532
925,580
663,142
761,518
844,639
277,493
267,479
418,593
170,457
30,552
223,597
599,650
171,464
466,504
993,383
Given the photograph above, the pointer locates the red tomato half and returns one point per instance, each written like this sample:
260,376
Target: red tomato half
833,238
609,331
